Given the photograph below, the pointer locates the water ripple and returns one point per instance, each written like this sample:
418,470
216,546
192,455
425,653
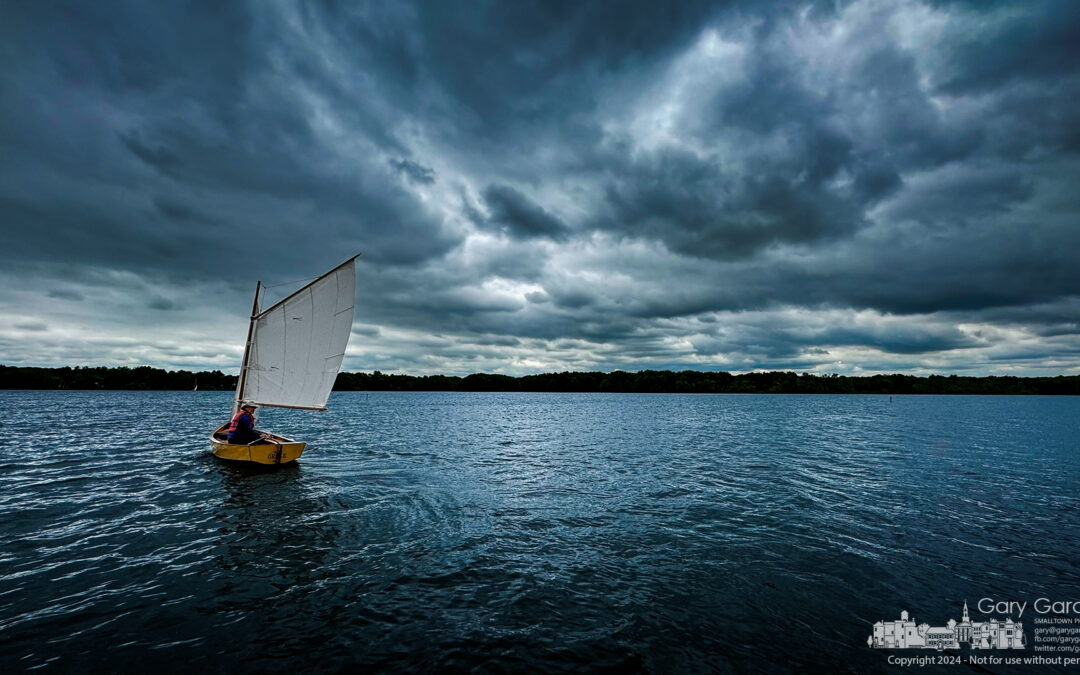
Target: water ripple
522,532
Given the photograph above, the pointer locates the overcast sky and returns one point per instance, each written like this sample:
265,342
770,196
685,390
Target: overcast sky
825,187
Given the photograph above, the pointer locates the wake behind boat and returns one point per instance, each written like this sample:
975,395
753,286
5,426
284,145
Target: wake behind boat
292,357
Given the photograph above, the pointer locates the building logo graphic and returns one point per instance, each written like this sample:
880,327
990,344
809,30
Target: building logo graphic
905,634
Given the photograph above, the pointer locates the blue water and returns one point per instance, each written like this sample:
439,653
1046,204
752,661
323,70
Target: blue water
524,532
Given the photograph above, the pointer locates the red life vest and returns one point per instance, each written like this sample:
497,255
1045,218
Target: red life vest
236,420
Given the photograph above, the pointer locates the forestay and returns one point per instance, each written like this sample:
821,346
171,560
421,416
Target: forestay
297,345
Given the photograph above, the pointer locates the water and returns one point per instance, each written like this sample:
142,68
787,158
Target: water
521,532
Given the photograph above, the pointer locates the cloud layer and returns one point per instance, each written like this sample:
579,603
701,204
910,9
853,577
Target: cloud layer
836,187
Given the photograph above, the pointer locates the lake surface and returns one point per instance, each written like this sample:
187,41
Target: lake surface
524,532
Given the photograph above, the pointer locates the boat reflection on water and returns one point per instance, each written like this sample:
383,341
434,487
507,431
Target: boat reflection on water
269,514
273,552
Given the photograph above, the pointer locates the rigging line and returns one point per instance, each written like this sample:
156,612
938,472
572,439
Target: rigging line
286,283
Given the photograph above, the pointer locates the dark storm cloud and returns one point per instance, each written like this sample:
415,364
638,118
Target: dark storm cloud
66,295
208,113
162,304
519,216
925,269
175,210
892,339
1058,318
573,184
697,209
510,67
957,198
415,171
1037,44
808,174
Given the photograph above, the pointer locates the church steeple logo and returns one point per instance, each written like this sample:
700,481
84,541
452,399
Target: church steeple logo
907,634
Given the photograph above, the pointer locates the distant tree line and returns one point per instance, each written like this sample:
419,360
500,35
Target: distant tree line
141,378
645,381
693,381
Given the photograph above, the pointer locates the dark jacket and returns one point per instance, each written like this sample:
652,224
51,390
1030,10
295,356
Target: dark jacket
242,429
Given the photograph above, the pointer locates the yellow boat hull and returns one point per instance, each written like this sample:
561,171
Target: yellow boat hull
276,450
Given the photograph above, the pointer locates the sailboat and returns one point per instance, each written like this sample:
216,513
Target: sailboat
292,356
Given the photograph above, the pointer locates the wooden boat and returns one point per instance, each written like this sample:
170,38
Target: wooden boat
292,356
273,449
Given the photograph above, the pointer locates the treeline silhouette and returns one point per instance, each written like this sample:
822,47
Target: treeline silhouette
141,378
645,381
694,381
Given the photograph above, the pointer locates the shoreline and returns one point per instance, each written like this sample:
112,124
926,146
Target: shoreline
146,378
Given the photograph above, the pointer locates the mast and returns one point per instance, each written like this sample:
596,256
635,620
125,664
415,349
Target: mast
247,352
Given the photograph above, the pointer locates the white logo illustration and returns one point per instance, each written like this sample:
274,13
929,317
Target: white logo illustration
905,634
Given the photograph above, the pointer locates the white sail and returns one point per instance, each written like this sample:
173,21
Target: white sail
297,345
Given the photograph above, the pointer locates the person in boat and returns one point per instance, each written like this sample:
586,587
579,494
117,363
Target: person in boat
242,428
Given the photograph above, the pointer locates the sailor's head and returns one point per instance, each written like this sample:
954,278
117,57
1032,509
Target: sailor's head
250,407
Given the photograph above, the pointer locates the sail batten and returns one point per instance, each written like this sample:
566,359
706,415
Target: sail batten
298,344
